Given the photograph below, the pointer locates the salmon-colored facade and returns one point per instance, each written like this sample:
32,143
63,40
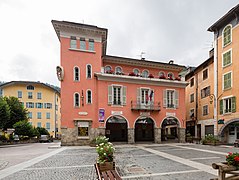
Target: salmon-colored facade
126,99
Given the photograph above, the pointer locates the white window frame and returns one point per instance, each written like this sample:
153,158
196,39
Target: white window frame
121,94
85,124
170,73
91,41
224,105
73,38
106,67
137,70
144,88
223,80
121,69
223,35
18,94
145,70
87,96
74,100
162,72
87,71
174,98
74,74
222,58
207,110
82,42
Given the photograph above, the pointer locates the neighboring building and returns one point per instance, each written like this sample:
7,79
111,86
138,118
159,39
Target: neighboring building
42,101
226,68
199,99
126,99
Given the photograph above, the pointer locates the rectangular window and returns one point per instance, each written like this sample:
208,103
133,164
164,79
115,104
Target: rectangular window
30,115
227,58
205,110
117,95
1,92
38,115
83,128
38,95
192,82
39,105
82,44
89,101
205,92
47,105
73,42
30,105
227,104
170,99
144,96
19,94
227,81
48,126
39,124
205,74
191,98
91,45
191,113
48,115
30,96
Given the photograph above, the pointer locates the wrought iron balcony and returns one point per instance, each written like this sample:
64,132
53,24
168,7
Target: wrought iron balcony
150,106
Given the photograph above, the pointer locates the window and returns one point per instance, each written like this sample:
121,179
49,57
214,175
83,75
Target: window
39,105
108,69
30,105
227,35
47,105
136,71
38,115
83,128
191,113
30,115
48,126
209,129
170,75
118,70
48,115
89,97
227,81
191,98
171,98
73,42
228,105
30,87
205,92
82,44
76,74
161,74
205,110
205,74
1,92
145,73
38,95
39,124
88,71
144,96
19,94
91,45
227,58
30,95
192,82
116,95
76,100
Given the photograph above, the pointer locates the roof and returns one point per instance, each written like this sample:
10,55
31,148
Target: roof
224,19
144,63
103,32
54,88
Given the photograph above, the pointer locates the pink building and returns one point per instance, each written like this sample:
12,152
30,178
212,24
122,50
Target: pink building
126,99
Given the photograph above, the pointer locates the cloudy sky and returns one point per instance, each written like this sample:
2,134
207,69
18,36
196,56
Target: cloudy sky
163,29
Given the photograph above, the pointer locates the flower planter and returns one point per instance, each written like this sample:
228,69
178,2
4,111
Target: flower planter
106,166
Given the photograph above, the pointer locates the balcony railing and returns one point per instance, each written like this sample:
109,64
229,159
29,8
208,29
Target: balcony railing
147,107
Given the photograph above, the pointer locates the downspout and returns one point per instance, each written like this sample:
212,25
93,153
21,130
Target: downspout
196,110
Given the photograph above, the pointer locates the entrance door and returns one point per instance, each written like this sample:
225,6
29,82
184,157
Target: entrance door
232,134
144,129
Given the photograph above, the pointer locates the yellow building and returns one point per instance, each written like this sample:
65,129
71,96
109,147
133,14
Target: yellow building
200,119
226,45
42,101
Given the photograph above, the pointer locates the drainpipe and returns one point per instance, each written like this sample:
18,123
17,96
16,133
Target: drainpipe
196,109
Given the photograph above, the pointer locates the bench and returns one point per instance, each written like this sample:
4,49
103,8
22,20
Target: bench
224,169
106,175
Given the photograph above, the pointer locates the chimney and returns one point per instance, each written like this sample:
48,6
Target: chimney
171,61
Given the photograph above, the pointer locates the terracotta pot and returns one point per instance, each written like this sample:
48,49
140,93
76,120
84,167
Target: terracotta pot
106,166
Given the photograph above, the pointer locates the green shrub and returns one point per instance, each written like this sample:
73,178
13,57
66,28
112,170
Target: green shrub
101,139
210,139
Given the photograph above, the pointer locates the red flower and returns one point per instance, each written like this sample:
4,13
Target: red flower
230,153
236,158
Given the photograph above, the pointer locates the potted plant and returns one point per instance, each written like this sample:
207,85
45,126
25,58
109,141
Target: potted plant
110,72
132,74
233,159
178,78
162,77
150,76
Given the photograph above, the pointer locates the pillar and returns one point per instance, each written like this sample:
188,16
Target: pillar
157,135
131,136
181,135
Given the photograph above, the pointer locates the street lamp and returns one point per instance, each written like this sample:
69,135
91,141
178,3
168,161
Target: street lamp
212,98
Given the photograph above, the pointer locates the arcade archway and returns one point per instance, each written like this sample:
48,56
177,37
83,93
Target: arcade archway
170,129
117,129
144,129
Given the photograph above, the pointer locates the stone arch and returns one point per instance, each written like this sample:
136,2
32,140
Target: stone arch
220,132
170,129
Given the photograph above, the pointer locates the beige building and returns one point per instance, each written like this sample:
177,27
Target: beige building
42,101
200,118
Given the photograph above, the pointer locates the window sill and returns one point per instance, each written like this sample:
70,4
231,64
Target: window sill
83,137
82,50
229,113
114,105
227,65
227,89
226,45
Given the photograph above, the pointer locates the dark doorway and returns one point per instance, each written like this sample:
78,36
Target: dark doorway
170,129
199,130
116,129
144,129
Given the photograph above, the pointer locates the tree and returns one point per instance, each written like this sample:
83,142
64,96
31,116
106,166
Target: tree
42,131
23,128
17,111
4,113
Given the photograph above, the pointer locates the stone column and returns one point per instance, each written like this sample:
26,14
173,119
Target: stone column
131,136
181,135
157,135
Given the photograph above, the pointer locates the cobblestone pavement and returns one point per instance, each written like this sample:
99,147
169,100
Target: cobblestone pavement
133,162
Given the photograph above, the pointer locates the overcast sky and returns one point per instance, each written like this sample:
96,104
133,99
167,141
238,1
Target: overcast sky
163,29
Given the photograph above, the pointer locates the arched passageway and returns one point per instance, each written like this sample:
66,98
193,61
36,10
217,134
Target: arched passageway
170,131
144,129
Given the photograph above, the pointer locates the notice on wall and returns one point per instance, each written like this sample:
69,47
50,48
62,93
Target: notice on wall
101,115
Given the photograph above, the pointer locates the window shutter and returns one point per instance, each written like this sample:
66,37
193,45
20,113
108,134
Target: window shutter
138,95
124,95
176,99
164,98
110,94
234,104
221,106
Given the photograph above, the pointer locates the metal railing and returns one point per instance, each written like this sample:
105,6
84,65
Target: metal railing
150,106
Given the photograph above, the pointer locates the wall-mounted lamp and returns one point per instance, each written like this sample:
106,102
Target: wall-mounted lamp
82,98
212,98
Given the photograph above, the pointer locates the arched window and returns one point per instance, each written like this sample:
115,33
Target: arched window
88,71
161,74
145,73
30,87
118,70
108,69
170,75
136,71
227,35
76,100
88,97
76,74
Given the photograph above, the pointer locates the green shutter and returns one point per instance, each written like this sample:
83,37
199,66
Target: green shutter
234,104
221,106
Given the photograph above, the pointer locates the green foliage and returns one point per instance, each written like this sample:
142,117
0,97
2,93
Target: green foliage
101,139
105,152
23,128
42,131
233,159
3,138
35,132
4,113
210,139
